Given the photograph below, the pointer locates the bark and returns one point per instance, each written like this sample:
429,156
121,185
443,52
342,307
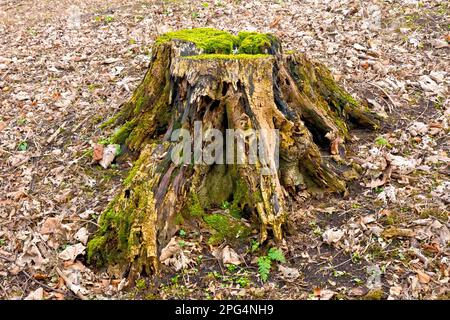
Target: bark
270,90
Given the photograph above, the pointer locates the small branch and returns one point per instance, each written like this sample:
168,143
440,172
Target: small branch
385,93
43,284
70,285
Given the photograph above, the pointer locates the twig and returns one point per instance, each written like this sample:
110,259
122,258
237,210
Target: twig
70,285
55,134
7,259
386,94
44,285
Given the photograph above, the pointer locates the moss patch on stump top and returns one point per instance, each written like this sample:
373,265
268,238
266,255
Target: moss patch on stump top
214,41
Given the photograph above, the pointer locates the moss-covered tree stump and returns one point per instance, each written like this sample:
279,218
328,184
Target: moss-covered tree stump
225,82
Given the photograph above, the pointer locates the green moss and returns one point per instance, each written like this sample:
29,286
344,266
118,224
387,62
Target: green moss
240,198
255,43
225,228
115,237
123,132
195,208
374,294
227,56
141,101
94,247
209,39
436,213
133,171
223,43
179,220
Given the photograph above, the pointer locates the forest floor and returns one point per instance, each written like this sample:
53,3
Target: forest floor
61,77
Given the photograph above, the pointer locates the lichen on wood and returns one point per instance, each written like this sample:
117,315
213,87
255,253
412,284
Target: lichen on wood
226,82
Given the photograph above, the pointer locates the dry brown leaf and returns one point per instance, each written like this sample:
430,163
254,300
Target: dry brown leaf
98,152
394,232
276,21
423,277
288,274
229,256
82,235
332,235
109,153
71,252
52,225
358,291
169,250
37,294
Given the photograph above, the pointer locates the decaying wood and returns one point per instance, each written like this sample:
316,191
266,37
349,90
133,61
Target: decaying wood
280,91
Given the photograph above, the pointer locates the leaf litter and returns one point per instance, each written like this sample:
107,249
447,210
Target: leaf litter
59,82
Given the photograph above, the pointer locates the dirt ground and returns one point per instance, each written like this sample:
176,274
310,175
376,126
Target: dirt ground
66,66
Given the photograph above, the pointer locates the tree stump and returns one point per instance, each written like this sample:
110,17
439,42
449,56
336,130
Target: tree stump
221,81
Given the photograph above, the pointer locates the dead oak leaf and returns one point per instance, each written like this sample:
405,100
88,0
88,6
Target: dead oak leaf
98,152
395,232
423,277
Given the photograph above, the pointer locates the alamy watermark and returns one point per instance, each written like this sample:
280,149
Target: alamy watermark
234,146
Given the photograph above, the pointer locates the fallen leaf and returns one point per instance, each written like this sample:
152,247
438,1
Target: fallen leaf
423,277
22,95
52,225
229,256
395,291
110,60
82,235
394,232
288,274
358,291
40,276
98,152
37,294
169,250
323,294
276,21
332,235
109,153
71,252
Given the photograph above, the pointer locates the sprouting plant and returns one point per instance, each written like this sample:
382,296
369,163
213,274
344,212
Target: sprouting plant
175,278
181,243
242,281
104,142
205,4
182,233
108,19
356,257
356,205
254,246
382,142
225,205
141,284
337,273
378,189
265,262
317,231
231,267
21,121
195,15
276,255
23,146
